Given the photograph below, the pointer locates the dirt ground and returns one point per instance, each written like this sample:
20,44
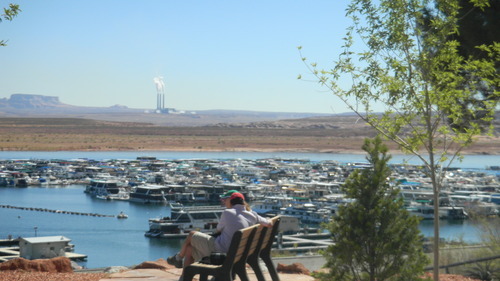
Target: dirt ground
45,276
73,134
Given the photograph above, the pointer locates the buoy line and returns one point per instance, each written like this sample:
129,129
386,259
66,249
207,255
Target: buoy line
56,211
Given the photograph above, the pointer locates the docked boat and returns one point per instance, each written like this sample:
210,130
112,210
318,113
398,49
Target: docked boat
107,190
183,220
149,194
478,204
182,197
307,213
4,179
271,205
426,212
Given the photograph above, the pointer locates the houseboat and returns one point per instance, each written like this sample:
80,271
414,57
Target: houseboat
149,194
183,219
426,212
107,189
307,213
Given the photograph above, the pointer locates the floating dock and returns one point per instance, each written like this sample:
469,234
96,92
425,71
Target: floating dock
9,253
9,249
301,243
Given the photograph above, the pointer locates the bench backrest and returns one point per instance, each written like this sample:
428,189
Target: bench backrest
270,233
254,244
238,248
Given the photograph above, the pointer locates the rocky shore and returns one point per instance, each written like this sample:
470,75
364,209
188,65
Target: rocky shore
60,269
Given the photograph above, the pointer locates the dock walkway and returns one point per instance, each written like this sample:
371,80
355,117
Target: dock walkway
9,253
302,243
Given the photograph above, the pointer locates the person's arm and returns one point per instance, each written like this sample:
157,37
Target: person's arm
262,220
222,222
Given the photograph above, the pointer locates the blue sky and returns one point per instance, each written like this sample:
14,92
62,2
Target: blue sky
239,55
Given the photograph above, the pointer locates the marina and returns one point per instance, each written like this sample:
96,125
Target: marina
308,189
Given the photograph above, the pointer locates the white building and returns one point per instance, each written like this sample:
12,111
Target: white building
43,247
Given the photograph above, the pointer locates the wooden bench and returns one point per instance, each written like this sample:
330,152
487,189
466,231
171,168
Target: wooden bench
263,252
238,251
247,246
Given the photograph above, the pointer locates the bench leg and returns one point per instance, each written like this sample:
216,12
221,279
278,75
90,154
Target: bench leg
271,268
224,276
241,271
254,263
188,275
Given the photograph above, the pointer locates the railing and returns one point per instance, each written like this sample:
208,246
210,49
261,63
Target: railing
447,267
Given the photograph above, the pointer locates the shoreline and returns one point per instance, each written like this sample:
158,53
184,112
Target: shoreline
263,150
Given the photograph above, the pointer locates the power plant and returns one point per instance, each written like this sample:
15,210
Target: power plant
160,95
160,99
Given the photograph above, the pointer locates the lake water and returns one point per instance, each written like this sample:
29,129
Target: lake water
107,241
111,241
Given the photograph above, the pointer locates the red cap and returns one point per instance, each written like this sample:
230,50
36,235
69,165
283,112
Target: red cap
237,195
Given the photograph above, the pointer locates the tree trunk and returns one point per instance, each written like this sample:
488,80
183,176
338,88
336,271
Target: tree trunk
435,188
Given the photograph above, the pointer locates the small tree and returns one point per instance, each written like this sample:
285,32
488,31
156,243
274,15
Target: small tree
374,237
9,14
414,70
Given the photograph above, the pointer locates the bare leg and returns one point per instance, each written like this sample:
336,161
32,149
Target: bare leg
187,243
186,250
188,257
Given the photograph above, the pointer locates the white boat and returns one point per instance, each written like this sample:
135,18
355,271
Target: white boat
107,189
149,194
307,213
183,197
271,205
426,212
4,179
122,215
185,219
476,204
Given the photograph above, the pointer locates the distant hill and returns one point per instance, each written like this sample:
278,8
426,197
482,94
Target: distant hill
33,105
27,105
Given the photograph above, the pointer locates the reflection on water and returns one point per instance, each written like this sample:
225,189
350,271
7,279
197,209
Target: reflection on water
454,230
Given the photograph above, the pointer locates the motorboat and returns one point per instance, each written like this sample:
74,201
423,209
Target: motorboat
122,215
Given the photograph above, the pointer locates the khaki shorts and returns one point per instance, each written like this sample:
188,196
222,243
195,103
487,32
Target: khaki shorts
202,245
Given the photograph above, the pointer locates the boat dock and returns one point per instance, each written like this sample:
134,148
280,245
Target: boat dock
8,242
9,249
9,253
302,243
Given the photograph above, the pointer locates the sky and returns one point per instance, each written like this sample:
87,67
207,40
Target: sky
234,55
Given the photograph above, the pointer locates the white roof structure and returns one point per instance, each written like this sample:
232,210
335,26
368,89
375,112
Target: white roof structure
46,239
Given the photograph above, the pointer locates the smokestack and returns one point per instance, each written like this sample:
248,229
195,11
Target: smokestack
160,93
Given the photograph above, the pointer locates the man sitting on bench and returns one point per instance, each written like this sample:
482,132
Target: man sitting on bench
198,245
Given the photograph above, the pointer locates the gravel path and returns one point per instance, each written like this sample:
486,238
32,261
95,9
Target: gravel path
46,276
